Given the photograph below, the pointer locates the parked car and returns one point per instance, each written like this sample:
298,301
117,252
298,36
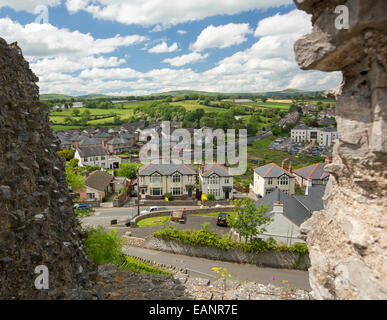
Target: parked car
82,206
149,210
222,219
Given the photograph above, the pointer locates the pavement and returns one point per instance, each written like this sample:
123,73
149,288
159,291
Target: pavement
200,267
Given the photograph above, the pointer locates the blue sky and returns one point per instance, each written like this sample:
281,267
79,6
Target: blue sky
133,47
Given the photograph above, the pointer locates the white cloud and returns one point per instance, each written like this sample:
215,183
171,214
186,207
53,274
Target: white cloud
60,42
181,32
28,5
186,59
222,36
171,12
295,21
163,47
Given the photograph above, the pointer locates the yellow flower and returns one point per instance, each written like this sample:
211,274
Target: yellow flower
216,269
229,276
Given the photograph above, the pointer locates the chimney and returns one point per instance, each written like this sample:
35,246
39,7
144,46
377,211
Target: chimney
77,145
308,185
290,168
283,164
328,160
201,168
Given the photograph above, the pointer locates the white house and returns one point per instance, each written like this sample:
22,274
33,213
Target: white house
217,180
269,177
96,156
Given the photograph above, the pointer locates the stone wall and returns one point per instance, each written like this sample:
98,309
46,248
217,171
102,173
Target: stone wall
271,259
37,221
348,240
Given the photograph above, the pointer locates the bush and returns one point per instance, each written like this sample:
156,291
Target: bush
105,248
169,196
206,238
210,197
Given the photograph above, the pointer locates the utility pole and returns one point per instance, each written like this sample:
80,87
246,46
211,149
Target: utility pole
138,194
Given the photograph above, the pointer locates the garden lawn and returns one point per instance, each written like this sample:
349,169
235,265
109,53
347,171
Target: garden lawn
150,222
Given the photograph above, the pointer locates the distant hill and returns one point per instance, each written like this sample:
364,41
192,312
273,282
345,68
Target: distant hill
288,93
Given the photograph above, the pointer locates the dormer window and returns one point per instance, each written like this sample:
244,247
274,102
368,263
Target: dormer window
155,178
284,180
176,178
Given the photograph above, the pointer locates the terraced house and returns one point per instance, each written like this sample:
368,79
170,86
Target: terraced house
217,180
157,179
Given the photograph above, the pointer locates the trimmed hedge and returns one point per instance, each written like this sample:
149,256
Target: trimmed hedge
206,238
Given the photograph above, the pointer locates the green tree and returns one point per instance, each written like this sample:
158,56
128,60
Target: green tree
75,112
264,99
67,154
73,163
74,180
249,220
128,170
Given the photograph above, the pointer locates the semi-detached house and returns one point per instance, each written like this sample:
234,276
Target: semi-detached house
157,179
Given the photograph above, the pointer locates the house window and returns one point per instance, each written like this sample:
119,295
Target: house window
284,181
213,180
90,196
189,178
102,158
176,191
270,181
176,178
156,178
85,159
227,180
142,179
96,158
156,191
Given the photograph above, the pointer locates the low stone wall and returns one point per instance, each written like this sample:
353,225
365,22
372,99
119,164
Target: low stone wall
161,203
272,259
134,221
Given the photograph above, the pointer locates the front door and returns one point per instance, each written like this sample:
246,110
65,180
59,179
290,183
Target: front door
190,193
227,194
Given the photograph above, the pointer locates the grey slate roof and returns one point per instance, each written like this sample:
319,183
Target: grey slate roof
314,172
92,151
218,169
166,169
293,209
313,201
102,135
272,170
117,140
89,142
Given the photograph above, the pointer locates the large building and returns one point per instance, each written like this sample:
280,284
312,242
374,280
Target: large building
269,177
217,180
157,179
323,136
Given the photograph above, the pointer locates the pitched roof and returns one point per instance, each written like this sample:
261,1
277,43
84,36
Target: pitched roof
313,201
217,169
272,170
117,140
92,151
293,209
101,135
166,169
89,142
314,172
99,180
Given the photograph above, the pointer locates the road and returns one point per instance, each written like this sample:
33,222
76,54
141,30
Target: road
103,216
199,267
